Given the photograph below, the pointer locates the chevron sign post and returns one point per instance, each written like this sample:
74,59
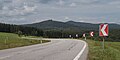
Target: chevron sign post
84,35
91,34
103,32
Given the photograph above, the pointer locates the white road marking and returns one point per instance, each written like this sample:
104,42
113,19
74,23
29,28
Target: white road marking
81,52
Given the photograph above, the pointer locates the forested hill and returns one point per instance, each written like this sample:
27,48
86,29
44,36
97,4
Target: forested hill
64,29
50,24
57,29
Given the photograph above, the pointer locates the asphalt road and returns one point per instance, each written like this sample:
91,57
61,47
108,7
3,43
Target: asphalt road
57,49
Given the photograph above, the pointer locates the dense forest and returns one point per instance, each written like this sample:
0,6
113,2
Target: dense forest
27,31
9,28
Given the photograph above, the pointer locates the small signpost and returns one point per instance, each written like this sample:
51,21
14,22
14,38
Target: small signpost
41,41
91,34
6,40
70,36
76,35
84,35
103,31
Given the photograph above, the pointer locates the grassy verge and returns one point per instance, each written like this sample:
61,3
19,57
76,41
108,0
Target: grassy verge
111,51
32,37
8,40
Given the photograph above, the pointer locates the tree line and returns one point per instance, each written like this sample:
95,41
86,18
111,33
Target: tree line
31,31
21,30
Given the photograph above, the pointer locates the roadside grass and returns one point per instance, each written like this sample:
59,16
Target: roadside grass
33,37
9,40
96,52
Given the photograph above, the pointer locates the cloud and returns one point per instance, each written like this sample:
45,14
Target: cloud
29,9
5,8
45,1
89,1
16,8
88,10
25,10
67,18
73,4
115,3
61,2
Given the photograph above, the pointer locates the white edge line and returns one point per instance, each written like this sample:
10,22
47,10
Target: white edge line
81,52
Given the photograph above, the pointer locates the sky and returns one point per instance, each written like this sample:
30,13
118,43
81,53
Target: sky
31,11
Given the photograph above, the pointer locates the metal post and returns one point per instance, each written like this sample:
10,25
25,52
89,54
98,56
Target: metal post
6,40
41,41
103,43
85,38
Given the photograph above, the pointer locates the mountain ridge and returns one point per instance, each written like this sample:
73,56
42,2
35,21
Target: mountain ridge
51,24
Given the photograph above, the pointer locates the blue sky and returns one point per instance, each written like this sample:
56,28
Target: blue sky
31,11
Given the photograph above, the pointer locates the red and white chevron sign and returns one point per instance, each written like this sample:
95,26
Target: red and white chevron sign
103,30
91,34
84,35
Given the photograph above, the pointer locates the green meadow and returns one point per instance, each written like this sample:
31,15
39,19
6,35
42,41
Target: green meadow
96,51
9,40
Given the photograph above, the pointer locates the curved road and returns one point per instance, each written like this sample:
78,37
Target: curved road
57,49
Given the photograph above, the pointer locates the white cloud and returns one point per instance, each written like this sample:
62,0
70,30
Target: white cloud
5,8
114,3
81,21
89,18
88,1
17,10
61,2
67,18
73,4
29,9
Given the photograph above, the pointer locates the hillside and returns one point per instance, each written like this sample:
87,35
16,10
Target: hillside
50,24
57,29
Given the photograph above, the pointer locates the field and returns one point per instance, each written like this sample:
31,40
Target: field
96,52
9,40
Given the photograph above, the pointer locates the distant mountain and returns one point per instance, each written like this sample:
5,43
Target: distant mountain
93,26
84,25
50,24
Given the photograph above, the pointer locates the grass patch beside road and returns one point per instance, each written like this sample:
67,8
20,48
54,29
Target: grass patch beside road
96,52
9,40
